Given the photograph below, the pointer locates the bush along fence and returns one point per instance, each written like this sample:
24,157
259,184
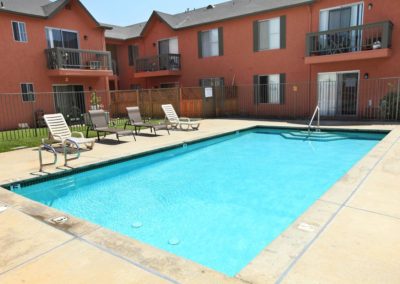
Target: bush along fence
342,98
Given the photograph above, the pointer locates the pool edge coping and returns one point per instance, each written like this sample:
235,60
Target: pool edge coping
176,145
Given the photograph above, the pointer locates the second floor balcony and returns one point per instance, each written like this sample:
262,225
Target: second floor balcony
156,66
78,62
353,43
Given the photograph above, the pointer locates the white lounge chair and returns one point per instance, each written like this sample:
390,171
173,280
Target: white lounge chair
176,121
60,132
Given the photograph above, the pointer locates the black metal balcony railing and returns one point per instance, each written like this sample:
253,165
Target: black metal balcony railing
352,39
69,58
158,63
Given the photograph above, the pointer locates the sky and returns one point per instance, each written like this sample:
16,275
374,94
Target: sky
128,12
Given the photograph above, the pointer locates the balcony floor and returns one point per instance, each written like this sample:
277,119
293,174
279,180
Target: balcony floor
160,73
350,56
80,73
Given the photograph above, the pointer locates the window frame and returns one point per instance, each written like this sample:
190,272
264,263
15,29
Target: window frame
131,56
213,80
135,87
32,93
280,89
19,23
220,42
175,85
62,30
269,34
169,44
328,9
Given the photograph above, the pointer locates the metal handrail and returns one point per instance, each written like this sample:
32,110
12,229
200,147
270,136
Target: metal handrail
170,61
351,39
48,148
317,111
71,58
69,143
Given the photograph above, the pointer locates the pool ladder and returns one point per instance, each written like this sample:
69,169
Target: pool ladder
317,113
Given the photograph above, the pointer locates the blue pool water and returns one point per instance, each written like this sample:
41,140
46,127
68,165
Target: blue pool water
217,202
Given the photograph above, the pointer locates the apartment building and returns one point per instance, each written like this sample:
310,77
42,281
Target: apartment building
265,43
53,47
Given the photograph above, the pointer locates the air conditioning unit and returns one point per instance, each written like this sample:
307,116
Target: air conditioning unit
95,65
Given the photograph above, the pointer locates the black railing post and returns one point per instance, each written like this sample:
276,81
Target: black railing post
308,45
59,58
386,34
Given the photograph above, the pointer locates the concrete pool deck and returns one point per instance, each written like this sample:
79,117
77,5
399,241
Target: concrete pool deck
350,235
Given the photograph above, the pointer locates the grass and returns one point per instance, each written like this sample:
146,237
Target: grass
27,138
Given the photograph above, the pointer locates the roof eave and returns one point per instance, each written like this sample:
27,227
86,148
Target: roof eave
246,15
155,14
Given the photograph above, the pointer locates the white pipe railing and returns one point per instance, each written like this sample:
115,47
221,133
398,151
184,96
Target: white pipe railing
317,111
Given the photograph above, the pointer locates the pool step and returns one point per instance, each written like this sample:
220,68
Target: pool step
312,136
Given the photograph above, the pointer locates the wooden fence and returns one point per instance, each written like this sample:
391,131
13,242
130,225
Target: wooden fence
190,102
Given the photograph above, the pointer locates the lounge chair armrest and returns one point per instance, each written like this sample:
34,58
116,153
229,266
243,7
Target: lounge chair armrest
185,118
47,141
57,137
78,134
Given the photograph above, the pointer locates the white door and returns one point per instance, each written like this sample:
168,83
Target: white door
327,93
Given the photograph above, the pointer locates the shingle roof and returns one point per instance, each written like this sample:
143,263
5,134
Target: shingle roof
218,12
36,8
124,33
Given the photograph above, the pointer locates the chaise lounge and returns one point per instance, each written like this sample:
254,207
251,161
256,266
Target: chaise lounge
175,121
60,132
100,125
135,120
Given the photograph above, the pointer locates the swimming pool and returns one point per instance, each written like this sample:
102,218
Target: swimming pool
218,202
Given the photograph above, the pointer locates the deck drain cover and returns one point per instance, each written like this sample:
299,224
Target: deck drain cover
137,225
59,220
174,242
3,208
306,227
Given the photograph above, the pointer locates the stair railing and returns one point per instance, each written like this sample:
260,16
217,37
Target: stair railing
317,113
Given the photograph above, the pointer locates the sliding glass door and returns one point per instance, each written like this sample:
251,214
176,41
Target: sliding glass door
65,39
70,101
337,19
165,48
338,93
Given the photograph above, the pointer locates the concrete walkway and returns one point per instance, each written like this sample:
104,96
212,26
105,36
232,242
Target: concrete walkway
355,236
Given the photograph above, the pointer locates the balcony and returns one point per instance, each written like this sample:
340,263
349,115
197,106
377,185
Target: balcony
368,41
157,66
78,63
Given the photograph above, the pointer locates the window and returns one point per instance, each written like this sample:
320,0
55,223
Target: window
270,34
135,87
27,92
269,89
19,31
61,38
168,46
133,54
341,17
212,82
169,85
210,43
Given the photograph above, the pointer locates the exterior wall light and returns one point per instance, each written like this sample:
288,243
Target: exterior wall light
370,6
366,76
